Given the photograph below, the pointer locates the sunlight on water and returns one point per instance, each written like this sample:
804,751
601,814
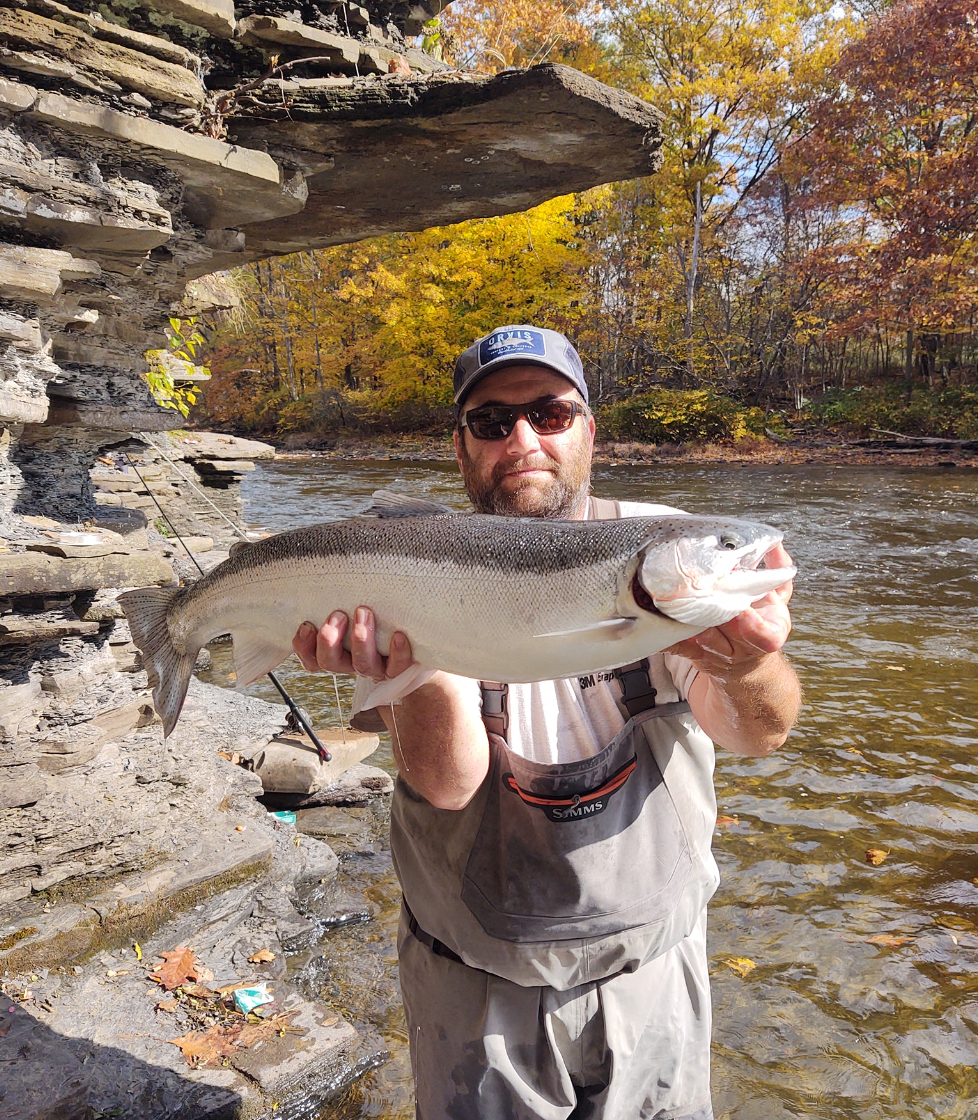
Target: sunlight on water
863,1004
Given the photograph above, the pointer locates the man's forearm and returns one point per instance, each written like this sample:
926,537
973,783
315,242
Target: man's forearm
749,708
440,742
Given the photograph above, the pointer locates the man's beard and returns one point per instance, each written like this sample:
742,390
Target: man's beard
562,496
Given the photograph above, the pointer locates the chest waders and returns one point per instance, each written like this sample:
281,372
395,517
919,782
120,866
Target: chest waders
568,881
563,874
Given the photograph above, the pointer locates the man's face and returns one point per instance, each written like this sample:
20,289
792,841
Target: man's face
527,474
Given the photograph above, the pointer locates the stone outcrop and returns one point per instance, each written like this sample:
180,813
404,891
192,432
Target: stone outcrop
144,147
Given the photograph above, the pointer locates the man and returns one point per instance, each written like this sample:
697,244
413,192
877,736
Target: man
553,840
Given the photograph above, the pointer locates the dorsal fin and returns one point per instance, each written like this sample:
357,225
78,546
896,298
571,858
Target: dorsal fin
387,503
239,546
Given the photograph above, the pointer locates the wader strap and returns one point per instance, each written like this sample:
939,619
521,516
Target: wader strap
439,948
603,509
495,707
637,693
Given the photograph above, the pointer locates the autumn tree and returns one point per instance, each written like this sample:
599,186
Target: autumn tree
731,78
366,331
894,148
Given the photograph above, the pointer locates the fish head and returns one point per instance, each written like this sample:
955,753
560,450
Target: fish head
707,571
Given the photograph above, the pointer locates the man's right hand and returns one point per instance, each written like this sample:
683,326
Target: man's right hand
438,737
324,650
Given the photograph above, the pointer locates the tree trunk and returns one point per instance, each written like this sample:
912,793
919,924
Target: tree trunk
691,284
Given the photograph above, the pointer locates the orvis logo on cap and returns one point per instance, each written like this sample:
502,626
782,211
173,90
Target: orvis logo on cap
502,344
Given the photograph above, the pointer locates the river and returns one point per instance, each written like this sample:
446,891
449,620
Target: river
841,990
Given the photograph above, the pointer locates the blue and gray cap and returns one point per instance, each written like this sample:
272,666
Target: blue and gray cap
518,345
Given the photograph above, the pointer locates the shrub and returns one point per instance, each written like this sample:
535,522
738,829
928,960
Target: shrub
679,416
951,412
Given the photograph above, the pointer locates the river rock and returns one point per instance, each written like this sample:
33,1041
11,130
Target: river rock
356,786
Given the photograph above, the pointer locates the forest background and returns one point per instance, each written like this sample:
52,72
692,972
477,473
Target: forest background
805,258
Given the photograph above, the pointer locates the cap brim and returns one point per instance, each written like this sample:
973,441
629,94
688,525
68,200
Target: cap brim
501,363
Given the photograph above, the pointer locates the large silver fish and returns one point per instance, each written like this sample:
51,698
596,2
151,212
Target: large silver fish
493,598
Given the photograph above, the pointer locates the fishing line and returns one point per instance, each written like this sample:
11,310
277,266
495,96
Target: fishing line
339,707
396,740
297,714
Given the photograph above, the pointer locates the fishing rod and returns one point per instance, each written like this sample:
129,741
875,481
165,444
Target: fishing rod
297,713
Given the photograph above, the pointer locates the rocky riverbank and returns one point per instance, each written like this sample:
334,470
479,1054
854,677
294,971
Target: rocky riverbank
121,851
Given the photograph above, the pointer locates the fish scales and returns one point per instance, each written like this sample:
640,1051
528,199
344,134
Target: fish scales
487,597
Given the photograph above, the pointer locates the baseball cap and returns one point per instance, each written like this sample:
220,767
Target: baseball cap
517,345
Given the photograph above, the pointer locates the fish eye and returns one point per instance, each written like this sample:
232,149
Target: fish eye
730,541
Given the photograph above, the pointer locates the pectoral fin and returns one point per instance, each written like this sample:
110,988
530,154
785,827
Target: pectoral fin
609,630
254,655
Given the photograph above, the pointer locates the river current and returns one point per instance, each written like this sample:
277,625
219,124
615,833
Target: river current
842,990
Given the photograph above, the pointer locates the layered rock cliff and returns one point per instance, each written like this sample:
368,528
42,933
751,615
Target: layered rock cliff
143,146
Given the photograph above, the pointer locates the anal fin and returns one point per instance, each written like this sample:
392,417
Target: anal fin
377,694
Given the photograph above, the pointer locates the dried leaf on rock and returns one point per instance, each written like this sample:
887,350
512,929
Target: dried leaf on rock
723,821
205,1048
211,1047
168,1005
263,956
180,968
250,1033
741,965
875,856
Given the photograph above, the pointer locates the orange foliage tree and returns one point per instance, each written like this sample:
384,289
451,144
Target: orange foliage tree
893,151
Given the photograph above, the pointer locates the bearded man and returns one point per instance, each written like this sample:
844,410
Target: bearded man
552,840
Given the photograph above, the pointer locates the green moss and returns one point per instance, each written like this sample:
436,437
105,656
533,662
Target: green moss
124,924
9,942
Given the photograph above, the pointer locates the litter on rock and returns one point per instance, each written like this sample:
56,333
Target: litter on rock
247,999
285,815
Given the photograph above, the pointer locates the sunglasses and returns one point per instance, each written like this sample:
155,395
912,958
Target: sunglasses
545,417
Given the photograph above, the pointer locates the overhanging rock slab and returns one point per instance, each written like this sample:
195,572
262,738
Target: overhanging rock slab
225,183
403,155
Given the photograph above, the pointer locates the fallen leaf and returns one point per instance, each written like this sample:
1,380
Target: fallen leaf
201,991
263,956
875,856
229,988
181,967
138,950
890,940
741,965
168,1005
723,821
249,1033
211,1047
205,1048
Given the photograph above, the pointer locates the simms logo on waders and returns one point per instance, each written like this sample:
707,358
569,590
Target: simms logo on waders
576,806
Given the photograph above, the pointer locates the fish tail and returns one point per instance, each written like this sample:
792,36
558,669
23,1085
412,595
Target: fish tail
168,670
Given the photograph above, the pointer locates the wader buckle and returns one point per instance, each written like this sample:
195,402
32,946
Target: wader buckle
637,693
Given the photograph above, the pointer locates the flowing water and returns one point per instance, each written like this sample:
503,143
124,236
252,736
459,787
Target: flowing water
841,989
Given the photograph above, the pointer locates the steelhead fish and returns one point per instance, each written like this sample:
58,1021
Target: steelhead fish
493,598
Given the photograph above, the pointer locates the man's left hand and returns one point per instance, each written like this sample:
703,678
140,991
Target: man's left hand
760,630
746,696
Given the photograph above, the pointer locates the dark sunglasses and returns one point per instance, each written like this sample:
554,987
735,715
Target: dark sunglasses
545,417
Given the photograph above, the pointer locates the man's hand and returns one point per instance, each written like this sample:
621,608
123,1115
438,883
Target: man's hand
746,696
324,650
437,732
760,630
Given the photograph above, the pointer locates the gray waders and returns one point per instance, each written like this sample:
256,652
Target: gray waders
552,942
